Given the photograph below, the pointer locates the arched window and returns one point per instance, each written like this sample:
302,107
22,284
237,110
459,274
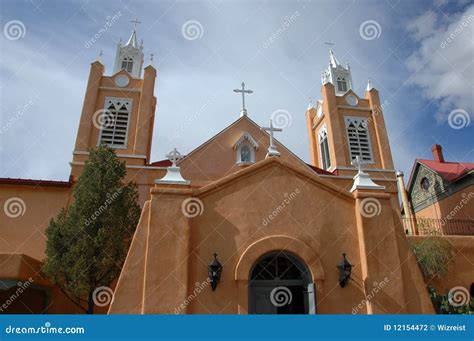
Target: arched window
358,138
113,121
127,64
280,284
324,148
341,84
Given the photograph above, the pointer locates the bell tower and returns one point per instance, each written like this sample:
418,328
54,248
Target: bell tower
342,125
129,57
118,109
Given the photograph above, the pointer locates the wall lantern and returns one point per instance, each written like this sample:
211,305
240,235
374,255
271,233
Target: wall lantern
214,272
345,269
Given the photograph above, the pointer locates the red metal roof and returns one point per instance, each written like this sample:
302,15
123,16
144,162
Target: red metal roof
33,182
450,171
161,163
321,171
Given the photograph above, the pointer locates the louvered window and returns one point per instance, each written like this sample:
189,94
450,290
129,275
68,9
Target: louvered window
358,138
324,148
114,122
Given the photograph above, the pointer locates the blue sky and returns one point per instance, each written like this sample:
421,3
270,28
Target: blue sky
426,80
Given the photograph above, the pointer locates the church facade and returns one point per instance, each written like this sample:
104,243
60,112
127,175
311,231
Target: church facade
240,224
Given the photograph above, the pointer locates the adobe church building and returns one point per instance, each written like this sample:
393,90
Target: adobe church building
240,224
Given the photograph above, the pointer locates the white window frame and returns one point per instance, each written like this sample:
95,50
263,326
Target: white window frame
245,140
343,81
357,122
129,106
128,62
323,137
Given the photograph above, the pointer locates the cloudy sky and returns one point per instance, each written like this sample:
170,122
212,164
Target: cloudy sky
419,54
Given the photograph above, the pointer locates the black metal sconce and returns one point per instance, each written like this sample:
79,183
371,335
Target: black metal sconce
345,269
214,270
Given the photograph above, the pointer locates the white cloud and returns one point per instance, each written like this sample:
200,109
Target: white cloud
442,65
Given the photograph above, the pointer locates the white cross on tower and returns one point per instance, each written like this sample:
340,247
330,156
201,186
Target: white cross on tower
272,150
174,156
135,22
359,164
243,111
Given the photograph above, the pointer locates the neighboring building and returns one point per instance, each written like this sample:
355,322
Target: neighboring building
279,226
440,196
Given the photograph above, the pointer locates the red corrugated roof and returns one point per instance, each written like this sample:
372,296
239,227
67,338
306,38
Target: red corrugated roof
33,182
321,171
448,170
161,163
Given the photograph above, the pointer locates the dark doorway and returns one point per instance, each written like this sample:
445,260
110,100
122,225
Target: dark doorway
280,284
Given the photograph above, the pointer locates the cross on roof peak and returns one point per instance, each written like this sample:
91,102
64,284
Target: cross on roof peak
243,111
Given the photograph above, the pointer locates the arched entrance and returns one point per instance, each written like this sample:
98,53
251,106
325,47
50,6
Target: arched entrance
280,283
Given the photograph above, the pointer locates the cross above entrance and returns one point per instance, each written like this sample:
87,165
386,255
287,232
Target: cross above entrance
272,150
243,111
174,156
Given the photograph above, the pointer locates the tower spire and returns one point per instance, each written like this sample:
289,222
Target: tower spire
129,57
132,41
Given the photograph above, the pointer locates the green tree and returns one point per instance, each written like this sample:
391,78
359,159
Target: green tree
87,242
